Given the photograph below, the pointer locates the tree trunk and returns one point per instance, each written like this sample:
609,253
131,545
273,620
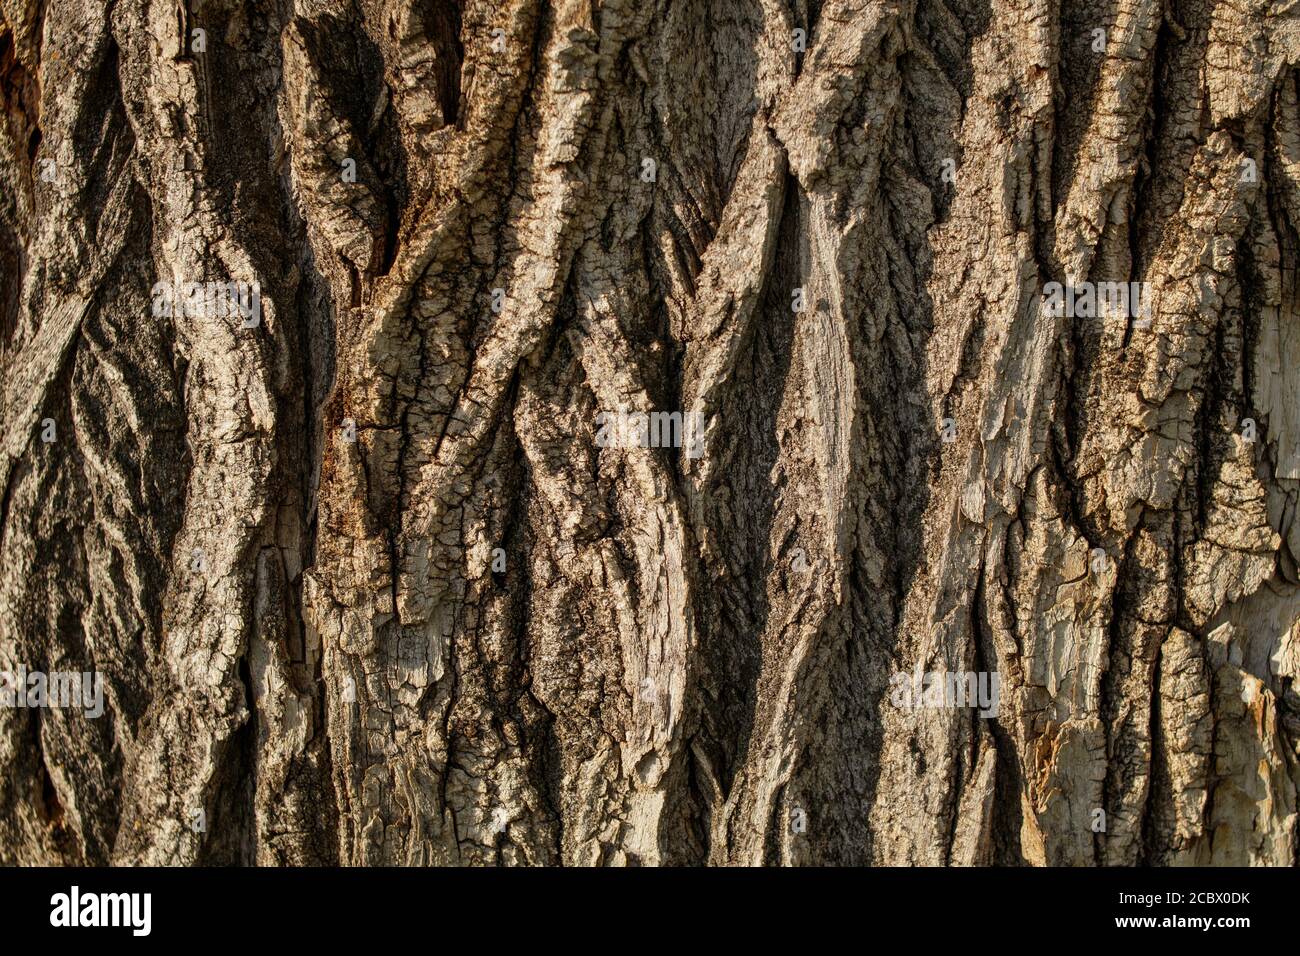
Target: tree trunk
369,578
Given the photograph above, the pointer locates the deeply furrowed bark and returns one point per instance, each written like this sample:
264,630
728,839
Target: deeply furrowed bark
365,588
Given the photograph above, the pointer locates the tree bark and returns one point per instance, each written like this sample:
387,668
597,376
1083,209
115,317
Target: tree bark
363,582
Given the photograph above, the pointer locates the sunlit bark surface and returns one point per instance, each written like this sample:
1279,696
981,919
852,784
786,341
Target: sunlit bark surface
366,584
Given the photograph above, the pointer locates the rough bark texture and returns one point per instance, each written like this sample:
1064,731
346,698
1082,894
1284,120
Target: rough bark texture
672,659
